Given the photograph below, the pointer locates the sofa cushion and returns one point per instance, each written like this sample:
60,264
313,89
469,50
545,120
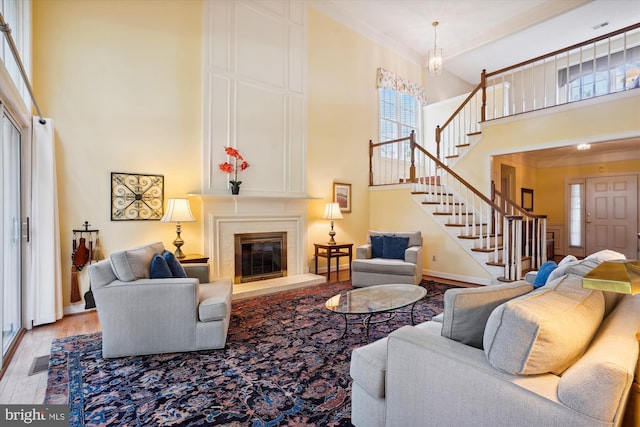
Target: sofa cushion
215,300
577,267
159,268
393,247
135,263
606,255
466,310
383,266
573,266
543,273
545,330
606,369
376,246
174,265
415,237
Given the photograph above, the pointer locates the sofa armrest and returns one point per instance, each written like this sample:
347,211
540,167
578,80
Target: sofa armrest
530,276
363,251
437,381
198,271
413,254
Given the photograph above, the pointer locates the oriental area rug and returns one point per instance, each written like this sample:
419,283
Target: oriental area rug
285,363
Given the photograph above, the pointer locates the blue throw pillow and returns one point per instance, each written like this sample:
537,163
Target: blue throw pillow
376,246
393,247
174,265
159,268
543,273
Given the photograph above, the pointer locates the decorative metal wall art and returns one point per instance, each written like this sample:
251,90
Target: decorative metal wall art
136,197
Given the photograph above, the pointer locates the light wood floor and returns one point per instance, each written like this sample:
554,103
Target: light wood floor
17,387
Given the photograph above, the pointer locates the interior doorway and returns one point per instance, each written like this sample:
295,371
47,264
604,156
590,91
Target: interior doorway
508,181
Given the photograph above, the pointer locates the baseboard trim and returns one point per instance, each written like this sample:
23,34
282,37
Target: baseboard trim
457,277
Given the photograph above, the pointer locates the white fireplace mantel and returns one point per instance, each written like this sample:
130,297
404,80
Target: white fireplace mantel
225,215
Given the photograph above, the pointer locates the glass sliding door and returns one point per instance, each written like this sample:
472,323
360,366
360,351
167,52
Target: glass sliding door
10,233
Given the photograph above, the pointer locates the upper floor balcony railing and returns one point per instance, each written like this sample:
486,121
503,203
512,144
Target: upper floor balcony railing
600,66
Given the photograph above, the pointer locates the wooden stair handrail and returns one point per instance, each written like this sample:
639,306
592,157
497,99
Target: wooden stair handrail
459,178
566,49
439,128
485,75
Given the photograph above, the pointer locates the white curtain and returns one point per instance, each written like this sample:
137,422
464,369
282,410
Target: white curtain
44,282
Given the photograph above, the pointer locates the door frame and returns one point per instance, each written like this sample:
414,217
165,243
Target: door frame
580,251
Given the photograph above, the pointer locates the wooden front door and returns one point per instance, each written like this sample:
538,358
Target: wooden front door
612,214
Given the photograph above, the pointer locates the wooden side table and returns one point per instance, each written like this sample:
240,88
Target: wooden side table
194,259
328,251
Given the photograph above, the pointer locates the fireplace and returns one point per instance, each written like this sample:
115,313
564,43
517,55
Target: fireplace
260,256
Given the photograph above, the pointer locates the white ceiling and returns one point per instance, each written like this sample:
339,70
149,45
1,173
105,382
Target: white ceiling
481,34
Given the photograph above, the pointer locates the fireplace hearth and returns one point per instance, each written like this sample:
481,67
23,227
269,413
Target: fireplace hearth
260,256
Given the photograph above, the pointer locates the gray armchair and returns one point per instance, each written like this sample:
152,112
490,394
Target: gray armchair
140,315
372,267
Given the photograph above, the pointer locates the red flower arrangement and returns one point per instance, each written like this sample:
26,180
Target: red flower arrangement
229,168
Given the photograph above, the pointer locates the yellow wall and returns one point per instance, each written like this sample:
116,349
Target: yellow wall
550,184
394,209
587,121
342,118
123,85
122,81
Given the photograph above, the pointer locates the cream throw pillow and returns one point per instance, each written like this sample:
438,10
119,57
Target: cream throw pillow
135,263
545,330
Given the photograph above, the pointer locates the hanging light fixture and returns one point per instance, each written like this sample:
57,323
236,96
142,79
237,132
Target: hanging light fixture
435,55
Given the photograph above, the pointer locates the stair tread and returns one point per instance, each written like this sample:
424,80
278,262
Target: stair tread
452,213
491,249
477,236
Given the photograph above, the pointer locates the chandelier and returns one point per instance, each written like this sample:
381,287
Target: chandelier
435,55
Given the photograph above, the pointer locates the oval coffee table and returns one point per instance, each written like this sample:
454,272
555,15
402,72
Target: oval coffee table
372,300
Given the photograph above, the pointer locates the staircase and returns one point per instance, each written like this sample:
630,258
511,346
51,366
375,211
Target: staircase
506,239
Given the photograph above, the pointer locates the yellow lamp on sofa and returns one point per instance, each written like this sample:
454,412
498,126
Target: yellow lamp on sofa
614,276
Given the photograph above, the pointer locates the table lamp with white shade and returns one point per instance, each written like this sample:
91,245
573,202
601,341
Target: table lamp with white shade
178,211
332,212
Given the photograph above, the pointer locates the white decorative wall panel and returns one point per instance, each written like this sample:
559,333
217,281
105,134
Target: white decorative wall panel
254,100
296,168
263,126
220,45
262,48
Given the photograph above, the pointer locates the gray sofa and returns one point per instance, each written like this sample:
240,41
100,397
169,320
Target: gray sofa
140,315
559,355
368,269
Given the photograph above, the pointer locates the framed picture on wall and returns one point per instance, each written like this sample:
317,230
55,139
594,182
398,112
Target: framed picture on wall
342,196
526,196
